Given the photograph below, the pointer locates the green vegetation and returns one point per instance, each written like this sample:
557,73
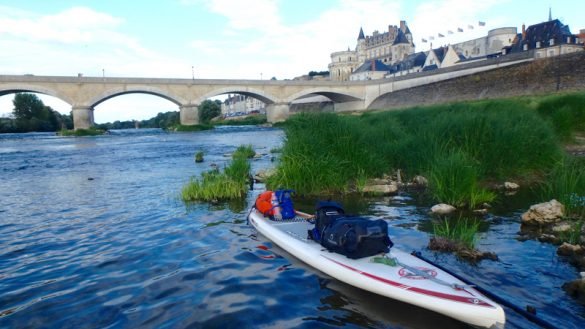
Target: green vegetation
460,147
454,179
244,151
199,156
81,132
164,120
208,110
566,112
184,128
230,184
461,231
250,120
566,184
30,114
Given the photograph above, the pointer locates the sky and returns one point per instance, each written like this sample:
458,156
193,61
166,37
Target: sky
227,39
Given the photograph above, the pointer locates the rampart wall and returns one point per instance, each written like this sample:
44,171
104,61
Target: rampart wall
561,73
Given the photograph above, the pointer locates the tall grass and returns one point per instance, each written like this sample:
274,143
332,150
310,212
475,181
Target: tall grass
214,185
462,231
453,179
566,184
566,112
486,140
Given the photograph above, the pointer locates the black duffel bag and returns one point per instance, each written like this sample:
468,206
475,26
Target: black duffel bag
357,237
326,212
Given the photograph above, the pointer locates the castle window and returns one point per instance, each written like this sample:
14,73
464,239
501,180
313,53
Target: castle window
525,47
551,42
537,44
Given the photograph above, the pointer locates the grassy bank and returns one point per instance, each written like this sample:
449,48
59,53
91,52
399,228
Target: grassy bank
184,128
81,132
459,147
215,185
250,120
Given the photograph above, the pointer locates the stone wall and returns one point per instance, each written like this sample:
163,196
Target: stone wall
562,73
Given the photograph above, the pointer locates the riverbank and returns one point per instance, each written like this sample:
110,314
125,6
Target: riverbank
463,148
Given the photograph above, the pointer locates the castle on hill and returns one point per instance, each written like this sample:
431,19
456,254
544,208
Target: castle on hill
381,55
388,47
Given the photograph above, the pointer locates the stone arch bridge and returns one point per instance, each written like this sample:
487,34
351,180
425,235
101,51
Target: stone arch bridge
84,93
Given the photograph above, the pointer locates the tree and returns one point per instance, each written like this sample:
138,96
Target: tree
32,115
27,106
209,110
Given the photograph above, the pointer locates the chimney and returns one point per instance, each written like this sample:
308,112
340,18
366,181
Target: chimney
403,26
523,32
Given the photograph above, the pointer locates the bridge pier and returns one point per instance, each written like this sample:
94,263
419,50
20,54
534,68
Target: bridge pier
277,112
189,115
82,117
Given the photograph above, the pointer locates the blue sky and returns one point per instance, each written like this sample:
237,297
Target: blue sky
226,38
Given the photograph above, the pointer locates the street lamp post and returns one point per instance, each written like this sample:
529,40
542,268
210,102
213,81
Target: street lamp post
192,72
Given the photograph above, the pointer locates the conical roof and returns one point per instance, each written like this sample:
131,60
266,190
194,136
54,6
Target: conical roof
361,35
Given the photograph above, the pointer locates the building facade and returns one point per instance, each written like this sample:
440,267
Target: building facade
241,104
389,47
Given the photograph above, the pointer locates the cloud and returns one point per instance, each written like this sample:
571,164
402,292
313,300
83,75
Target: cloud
78,24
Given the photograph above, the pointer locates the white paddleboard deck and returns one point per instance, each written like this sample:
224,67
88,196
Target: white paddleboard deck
410,280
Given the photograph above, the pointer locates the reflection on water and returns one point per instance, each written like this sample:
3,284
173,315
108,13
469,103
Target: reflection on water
94,235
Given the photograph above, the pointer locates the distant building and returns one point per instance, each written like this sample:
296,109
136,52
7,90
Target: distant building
548,39
370,70
241,104
495,40
388,47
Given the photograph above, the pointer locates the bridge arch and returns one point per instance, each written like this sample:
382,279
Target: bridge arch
333,94
6,89
247,91
124,90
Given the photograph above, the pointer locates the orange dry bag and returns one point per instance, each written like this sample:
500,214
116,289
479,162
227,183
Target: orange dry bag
264,205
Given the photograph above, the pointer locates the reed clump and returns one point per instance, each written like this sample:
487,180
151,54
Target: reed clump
462,231
214,185
566,183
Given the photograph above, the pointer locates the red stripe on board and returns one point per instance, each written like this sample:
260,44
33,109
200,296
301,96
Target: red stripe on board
461,299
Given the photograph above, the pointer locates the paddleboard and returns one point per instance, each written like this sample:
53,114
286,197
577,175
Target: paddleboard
397,275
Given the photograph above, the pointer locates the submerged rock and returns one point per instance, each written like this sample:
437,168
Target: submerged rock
473,255
442,209
420,181
545,213
380,186
384,189
511,186
263,174
576,289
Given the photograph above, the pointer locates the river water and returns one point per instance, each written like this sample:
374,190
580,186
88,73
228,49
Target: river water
93,234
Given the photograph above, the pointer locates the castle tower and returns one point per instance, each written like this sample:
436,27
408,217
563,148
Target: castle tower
361,46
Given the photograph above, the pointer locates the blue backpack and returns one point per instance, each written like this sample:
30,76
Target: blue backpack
286,204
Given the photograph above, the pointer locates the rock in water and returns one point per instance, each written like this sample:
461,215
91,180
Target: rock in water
442,209
544,213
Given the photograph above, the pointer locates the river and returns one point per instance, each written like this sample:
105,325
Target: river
93,234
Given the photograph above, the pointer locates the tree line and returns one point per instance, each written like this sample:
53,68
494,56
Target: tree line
31,114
